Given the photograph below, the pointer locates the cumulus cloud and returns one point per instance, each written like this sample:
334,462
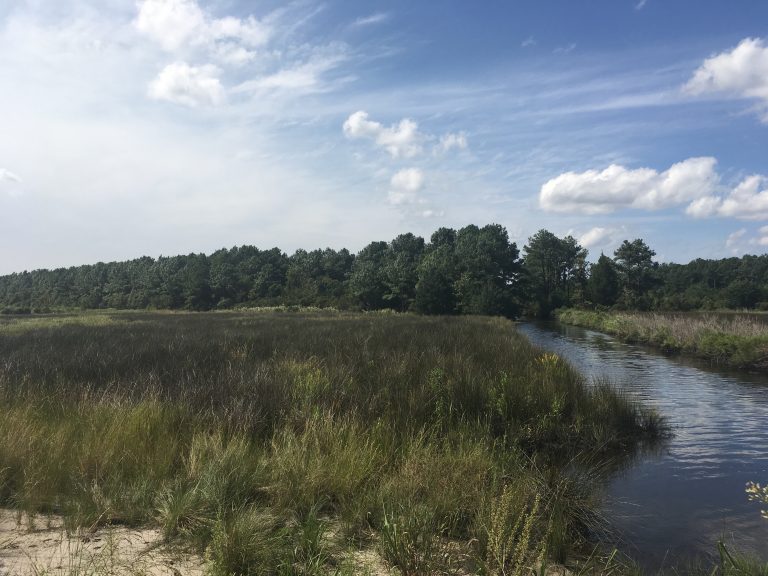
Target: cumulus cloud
742,241
450,141
189,85
747,201
254,51
174,24
232,54
703,207
741,72
596,237
405,186
404,193
402,140
617,187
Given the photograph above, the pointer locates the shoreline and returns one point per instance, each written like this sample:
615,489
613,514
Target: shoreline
725,341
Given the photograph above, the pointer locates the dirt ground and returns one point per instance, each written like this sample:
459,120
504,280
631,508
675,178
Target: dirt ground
40,546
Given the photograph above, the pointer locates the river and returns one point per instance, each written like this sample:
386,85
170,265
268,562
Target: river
672,505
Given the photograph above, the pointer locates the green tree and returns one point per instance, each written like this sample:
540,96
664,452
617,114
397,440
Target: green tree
555,271
437,274
367,283
401,262
603,285
634,261
488,271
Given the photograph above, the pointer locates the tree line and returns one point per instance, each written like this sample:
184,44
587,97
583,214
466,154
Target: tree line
474,270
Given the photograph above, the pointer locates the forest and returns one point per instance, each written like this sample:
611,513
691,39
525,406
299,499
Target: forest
473,270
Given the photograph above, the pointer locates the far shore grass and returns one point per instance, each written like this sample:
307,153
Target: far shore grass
729,340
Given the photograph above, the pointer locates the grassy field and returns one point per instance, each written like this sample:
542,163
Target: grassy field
298,443
738,341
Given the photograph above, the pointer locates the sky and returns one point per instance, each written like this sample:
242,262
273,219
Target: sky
164,127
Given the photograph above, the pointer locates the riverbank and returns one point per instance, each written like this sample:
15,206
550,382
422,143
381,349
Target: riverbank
723,340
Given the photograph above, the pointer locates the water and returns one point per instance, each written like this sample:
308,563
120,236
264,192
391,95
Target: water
673,505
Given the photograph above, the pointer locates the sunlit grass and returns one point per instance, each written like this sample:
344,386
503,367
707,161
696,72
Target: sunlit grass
723,339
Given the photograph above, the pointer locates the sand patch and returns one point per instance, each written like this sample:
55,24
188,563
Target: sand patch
43,547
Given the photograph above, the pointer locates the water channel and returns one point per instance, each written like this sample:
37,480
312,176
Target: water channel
672,505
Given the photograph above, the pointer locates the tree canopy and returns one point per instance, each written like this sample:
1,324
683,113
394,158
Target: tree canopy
473,270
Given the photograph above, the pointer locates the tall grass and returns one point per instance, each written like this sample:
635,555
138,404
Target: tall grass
272,442
733,340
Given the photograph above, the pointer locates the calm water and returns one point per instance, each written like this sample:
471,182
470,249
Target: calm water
675,504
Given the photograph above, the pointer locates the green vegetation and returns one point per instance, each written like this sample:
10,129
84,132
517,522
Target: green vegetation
556,272
472,271
475,270
282,443
727,340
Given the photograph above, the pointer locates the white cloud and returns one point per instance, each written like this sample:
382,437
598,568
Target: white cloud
747,201
740,242
9,176
376,18
617,187
301,77
402,140
175,24
9,183
171,23
239,47
248,31
640,5
734,239
565,49
703,207
762,238
530,41
232,54
450,141
189,85
741,72
405,186
597,236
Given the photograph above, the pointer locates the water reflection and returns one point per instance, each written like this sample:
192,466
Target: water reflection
677,501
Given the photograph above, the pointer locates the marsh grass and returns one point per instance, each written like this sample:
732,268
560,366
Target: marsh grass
736,340
734,564
246,435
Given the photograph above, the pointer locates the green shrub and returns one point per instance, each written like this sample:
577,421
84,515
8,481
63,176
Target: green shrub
249,542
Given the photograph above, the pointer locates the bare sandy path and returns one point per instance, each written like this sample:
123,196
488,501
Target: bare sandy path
43,547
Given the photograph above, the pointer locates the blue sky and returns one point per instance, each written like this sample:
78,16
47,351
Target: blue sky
154,127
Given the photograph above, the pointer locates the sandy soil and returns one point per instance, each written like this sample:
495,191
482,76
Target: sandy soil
42,547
